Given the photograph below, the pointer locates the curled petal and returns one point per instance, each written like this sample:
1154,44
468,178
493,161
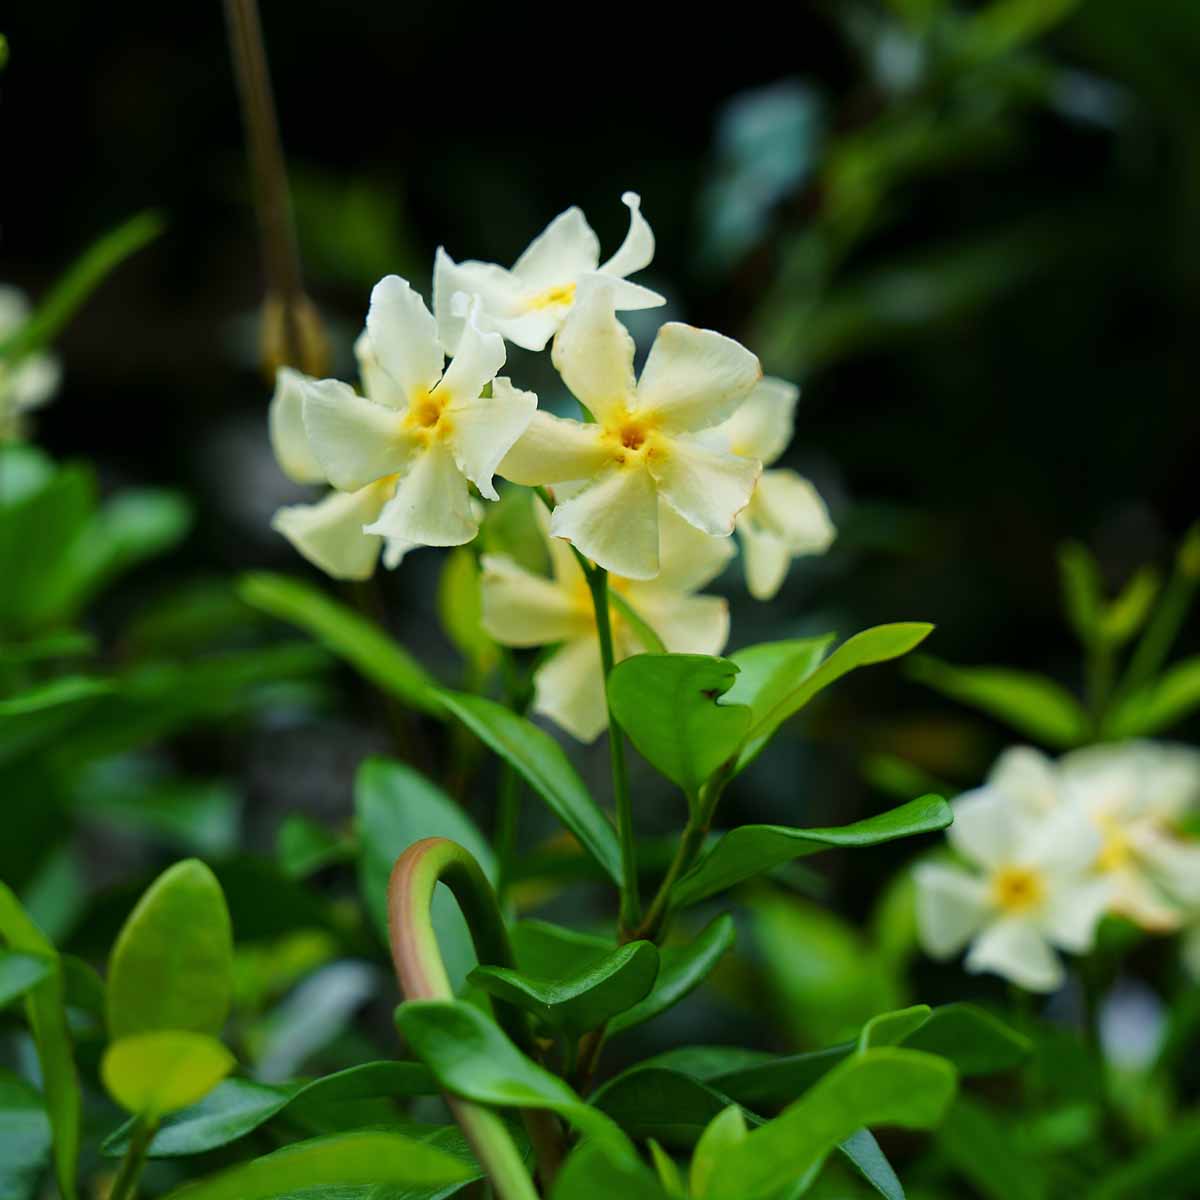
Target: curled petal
405,337
563,251
285,421
432,505
637,250
630,296
762,425
330,533
569,689
523,609
594,353
614,522
694,378
498,291
355,440
706,487
553,450
479,356
1018,951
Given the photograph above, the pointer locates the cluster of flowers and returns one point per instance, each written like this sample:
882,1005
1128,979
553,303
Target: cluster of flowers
649,486
1047,848
29,383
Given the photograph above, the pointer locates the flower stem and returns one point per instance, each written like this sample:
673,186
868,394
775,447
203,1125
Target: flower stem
508,815
126,1183
422,975
597,579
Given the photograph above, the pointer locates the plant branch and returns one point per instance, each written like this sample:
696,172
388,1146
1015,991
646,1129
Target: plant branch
125,1185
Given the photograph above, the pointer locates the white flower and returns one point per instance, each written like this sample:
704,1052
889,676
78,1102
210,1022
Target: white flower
425,431
645,442
1031,889
524,609
529,304
28,383
785,517
1136,793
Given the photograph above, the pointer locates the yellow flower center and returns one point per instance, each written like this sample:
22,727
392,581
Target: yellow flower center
632,438
1017,889
427,415
1116,849
552,297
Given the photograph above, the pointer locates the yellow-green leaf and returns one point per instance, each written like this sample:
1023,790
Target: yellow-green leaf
151,1074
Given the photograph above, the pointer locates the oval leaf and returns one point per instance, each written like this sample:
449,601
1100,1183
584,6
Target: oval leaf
151,1074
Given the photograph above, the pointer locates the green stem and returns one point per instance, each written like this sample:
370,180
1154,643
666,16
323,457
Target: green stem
125,1185
508,815
1100,667
597,579
422,975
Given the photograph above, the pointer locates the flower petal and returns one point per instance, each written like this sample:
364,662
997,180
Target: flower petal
523,609
432,505
355,440
694,378
594,352
688,558
553,450
762,426
984,828
569,689
330,533
686,624
765,557
498,290
377,384
1016,950
1027,777
706,487
637,250
405,337
483,430
787,505
563,251
1073,910
475,363
630,296
285,421
614,521
952,906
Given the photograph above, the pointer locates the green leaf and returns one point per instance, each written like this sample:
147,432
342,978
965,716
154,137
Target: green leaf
1032,704
470,1056
754,849
1083,593
681,970
578,1001
40,716
324,1167
879,1087
460,610
546,950
1166,1168
303,846
365,646
988,1155
1159,704
545,766
667,1171
66,643
79,281
24,1138
725,1131
863,1151
172,965
591,1173
396,806
670,705
890,1029
20,973
768,671
976,1042
1126,614
237,1107
877,645
151,1074
48,1020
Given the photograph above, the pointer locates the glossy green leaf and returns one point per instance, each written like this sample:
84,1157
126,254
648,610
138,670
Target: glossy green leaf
593,1174
879,1087
667,1105
544,765
1083,593
861,1149
1157,705
20,973
1128,611
396,806
681,970
172,965
67,643
578,1001
24,1138
151,1074
1032,704
470,1056
544,949
989,1154
892,1028
366,647
236,1107
769,671
976,1042
877,645
667,1170
725,1131
671,706
48,1021
44,714
322,1168
460,609
751,850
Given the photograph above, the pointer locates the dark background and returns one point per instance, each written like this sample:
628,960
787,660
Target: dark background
981,259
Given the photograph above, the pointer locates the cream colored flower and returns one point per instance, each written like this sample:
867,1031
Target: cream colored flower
645,443
1030,888
1136,794
524,609
529,304
29,383
428,432
785,517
